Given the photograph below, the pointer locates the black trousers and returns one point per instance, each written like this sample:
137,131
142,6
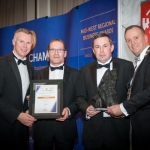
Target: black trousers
107,139
53,138
19,142
138,145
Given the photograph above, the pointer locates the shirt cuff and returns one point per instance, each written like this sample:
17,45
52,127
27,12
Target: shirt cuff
87,117
123,110
69,111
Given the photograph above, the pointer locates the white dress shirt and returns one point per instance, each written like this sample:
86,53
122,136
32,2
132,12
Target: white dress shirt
24,77
57,74
100,73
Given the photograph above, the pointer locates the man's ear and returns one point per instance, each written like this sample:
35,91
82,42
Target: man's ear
65,55
93,51
13,41
47,56
146,38
112,47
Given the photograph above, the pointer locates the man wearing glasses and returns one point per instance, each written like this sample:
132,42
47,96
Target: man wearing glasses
61,131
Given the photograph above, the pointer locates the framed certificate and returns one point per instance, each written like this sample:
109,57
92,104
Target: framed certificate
46,98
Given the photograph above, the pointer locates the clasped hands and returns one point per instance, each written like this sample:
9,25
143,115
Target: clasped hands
113,111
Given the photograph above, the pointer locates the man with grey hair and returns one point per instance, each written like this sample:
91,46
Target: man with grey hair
15,75
138,104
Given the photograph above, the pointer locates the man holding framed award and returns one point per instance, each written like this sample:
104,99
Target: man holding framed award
62,130
102,83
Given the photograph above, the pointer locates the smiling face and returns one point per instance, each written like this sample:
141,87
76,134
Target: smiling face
56,57
102,48
136,40
22,44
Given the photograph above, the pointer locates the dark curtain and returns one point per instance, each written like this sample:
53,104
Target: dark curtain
12,12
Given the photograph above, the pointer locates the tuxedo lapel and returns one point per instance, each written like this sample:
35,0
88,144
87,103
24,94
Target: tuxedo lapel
140,67
65,78
29,71
115,65
46,73
93,75
15,70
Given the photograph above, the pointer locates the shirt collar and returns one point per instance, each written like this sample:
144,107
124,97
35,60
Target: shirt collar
105,62
18,56
58,65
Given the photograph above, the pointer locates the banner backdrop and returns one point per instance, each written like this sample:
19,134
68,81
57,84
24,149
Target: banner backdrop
145,18
76,28
95,17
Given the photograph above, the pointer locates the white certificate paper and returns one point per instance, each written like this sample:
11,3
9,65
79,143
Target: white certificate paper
46,98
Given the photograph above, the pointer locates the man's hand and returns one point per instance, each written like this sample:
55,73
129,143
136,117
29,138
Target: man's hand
115,111
65,114
28,97
91,113
26,119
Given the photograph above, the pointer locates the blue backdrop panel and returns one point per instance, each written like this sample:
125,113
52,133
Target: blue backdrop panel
96,16
76,28
46,29
6,35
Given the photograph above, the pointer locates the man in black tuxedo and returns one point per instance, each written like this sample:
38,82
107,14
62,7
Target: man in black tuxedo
138,104
100,130
15,75
60,131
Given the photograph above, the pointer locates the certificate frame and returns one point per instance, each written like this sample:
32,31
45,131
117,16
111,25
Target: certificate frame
45,93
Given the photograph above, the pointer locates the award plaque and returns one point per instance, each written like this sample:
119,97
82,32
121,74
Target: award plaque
46,99
106,95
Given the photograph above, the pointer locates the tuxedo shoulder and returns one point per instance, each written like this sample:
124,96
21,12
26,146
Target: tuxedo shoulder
31,65
72,69
148,56
4,58
41,70
122,61
89,65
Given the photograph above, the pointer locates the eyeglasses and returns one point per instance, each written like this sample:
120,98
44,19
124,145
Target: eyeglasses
58,50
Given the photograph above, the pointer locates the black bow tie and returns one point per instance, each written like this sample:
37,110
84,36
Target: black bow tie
53,68
21,61
106,65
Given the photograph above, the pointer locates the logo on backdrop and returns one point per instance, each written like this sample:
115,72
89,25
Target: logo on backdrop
35,57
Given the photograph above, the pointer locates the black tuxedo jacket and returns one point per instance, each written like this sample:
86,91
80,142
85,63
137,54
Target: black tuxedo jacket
88,88
69,100
139,104
11,104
